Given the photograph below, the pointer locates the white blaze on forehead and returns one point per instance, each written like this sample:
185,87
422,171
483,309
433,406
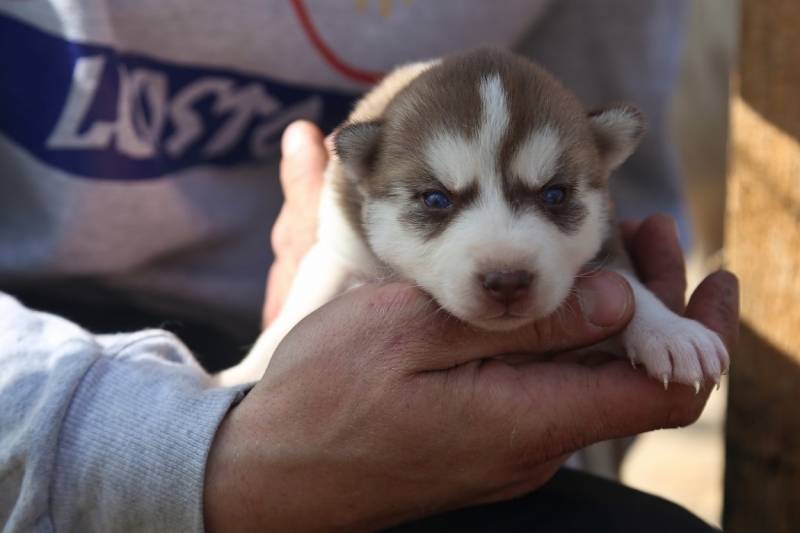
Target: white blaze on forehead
536,159
457,160
495,116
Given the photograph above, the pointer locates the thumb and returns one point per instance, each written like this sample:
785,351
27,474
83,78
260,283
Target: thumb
598,307
301,174
302,168
303,162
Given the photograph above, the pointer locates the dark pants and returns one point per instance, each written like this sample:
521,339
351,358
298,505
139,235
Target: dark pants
571,502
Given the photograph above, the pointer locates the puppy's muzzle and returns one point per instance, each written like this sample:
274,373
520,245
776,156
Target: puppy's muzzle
507,286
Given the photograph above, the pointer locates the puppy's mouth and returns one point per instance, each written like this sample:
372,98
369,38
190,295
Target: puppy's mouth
504,321
483,311
506,317
509,315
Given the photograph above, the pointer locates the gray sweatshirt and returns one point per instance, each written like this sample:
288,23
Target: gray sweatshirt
139,149
101,432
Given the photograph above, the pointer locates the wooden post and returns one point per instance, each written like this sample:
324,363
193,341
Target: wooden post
762,246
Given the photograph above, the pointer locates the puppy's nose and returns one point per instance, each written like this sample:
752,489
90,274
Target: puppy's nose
507,286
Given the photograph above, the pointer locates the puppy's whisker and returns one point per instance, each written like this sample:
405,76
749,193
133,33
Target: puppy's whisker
596,268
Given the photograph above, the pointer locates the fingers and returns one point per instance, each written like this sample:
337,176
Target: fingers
301,172
612,400
655,249
599,306
590,404
715,303
627,230
303,161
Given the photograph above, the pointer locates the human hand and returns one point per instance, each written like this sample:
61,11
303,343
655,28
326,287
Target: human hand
379,408
303,161
655,249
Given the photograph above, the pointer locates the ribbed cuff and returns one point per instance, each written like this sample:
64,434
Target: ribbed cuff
133,447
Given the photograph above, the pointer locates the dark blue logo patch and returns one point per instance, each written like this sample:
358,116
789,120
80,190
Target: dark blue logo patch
101,114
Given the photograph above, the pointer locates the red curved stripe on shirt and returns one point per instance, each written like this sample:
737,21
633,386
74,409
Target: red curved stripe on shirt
342,67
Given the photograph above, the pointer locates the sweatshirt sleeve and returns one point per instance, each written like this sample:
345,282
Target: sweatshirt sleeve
101,432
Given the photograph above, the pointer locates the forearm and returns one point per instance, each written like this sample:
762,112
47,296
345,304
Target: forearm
101,433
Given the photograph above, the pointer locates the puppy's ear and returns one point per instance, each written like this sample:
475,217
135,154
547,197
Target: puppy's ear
617,129
356,144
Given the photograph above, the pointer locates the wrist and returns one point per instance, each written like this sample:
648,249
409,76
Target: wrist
264,473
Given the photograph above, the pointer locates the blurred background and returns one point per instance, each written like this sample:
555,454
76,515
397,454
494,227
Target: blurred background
687,465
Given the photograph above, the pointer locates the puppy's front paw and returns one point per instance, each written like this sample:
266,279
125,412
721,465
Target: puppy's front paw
675,349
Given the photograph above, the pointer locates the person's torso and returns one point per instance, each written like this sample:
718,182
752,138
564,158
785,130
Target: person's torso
139,139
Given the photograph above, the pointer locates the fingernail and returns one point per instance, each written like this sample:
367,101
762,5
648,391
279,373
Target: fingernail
603,299
293,139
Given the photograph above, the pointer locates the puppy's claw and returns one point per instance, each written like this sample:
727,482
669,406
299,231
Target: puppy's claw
717,382
633,363
666,383
697,387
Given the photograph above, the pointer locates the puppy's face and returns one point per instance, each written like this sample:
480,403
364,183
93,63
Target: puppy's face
485,183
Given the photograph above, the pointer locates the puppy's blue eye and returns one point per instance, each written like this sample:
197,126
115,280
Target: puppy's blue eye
437,200
554,196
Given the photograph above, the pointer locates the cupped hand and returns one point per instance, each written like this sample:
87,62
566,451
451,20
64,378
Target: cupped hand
380,408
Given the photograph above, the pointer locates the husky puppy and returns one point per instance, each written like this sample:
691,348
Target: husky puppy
481,178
